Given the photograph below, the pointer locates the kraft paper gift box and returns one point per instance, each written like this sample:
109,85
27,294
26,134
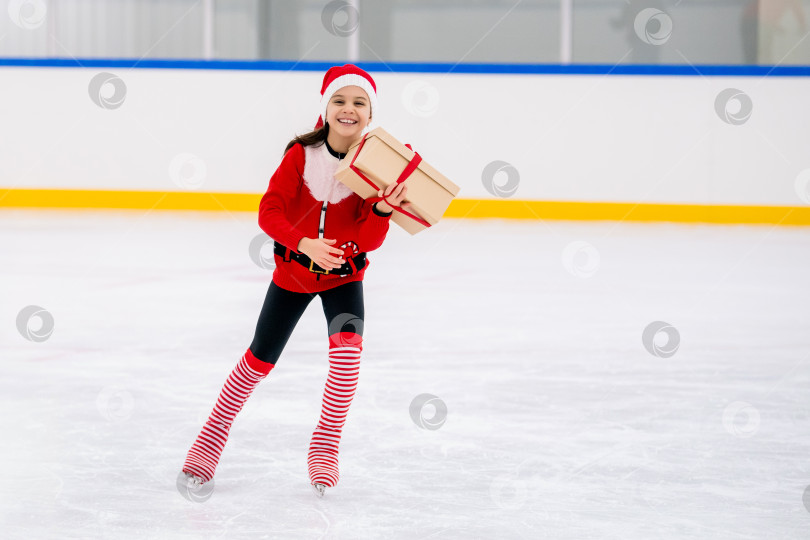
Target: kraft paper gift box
382,159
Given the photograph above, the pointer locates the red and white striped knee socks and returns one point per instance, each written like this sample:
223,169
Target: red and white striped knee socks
204,455
341,383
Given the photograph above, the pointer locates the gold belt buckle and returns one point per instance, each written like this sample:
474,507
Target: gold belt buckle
311,262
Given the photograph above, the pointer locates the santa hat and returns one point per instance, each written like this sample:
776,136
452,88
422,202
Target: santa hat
338,77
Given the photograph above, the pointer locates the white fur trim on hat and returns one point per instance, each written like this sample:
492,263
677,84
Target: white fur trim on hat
350,79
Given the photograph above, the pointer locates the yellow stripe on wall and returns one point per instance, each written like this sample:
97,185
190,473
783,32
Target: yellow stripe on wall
591,211
459,208
156,200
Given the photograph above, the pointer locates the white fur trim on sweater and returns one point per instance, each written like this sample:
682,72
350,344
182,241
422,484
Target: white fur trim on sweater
319,175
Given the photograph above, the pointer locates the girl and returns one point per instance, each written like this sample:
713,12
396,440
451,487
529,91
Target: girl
322,232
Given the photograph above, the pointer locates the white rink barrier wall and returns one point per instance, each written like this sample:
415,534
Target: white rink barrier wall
700,140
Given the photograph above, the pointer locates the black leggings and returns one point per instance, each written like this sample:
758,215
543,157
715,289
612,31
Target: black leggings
282,309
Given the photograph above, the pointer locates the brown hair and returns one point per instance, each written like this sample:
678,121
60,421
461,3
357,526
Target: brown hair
313,137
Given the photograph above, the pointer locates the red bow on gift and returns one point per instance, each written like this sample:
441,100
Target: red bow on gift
412,165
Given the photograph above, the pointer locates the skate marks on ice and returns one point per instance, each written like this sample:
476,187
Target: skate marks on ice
560,420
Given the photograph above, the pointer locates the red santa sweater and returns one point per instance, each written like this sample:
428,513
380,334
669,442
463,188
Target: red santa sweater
303,193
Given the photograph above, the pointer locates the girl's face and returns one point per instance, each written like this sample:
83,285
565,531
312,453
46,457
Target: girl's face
348,112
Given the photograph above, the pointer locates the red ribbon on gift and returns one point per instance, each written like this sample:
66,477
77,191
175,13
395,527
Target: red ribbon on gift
409,168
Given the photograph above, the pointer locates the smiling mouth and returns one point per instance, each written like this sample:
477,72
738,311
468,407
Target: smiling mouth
346,121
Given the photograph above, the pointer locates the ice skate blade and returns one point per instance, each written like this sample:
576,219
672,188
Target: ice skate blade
319,489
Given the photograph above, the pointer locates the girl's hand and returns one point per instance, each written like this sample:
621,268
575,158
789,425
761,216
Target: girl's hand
320,251
397,194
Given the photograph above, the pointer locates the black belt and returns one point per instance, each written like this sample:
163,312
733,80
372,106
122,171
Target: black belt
358,260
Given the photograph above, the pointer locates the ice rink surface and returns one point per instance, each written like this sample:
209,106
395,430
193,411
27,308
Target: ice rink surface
560,423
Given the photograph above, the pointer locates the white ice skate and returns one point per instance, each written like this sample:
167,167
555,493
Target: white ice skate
192,480
194,488
320,489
